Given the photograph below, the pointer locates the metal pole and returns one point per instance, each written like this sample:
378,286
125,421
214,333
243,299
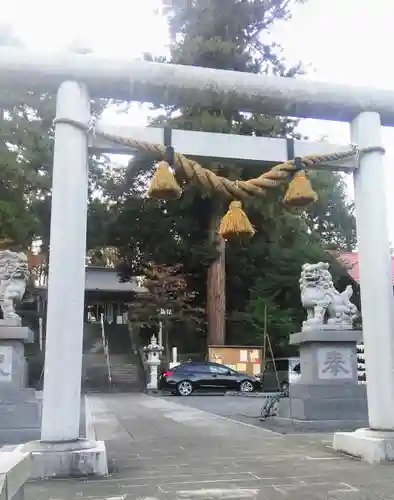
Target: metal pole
66,285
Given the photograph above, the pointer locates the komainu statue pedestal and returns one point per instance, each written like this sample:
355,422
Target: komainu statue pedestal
327,396
20,411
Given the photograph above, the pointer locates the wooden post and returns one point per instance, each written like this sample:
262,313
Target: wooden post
216,288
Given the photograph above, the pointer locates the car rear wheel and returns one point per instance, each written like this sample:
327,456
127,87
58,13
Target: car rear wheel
246,386
184,388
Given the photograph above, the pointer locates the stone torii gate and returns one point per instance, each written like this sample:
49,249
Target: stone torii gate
81,77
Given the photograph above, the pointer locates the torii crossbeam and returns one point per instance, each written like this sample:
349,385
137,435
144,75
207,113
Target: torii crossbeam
77,75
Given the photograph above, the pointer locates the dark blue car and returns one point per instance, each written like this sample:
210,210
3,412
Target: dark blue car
204,376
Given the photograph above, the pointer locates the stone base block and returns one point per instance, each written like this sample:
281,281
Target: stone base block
76,459
16,436
294,424
327,356
20,422
10,330
16,322
374,447
327,403
11,395
20,415
325,335
14,472
327,409
327,391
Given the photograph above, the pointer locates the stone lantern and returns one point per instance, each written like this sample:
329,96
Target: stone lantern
153,351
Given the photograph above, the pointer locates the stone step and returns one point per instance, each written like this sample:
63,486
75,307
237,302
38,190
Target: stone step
124,373
124,368
115,389
126,388
126,379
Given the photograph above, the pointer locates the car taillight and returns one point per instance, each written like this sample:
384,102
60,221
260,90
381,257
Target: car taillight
168,374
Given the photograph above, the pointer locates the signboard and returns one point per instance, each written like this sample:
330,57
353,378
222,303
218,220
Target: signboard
240,358
5,363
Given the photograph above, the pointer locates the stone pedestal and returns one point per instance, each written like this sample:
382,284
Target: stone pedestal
372,446
78,458
20,411
327,396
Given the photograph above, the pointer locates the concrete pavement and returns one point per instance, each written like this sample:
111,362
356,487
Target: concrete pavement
160,449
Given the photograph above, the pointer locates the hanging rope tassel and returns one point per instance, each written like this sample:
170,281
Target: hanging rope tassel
236,223
163,185
299,192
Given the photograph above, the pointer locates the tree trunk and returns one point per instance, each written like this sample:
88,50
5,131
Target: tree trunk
216,288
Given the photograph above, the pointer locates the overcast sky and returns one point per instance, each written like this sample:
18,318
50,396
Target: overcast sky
341,41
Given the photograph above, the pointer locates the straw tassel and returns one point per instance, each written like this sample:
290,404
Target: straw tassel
163,185
299,192
236,223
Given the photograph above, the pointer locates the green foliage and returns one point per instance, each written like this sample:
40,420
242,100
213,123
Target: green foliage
277,290
26,157
263,272
332,216
199,41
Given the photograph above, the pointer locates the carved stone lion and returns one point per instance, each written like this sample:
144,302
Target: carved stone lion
321,300
13,277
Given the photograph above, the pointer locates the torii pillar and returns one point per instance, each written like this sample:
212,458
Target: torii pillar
61,452
375,444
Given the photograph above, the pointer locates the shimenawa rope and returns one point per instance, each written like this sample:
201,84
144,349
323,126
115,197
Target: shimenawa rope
165,186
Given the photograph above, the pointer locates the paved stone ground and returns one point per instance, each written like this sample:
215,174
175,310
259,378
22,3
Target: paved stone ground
161,449
240,408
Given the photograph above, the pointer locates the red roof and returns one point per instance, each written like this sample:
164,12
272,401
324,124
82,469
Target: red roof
350,260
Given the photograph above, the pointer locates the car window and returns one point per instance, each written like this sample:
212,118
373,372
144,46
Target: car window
297,368
188,367
220,370
194,368
293,362
282,365
202,368
269,366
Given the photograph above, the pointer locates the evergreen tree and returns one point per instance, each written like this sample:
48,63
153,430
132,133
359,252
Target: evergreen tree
332,216
225,35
